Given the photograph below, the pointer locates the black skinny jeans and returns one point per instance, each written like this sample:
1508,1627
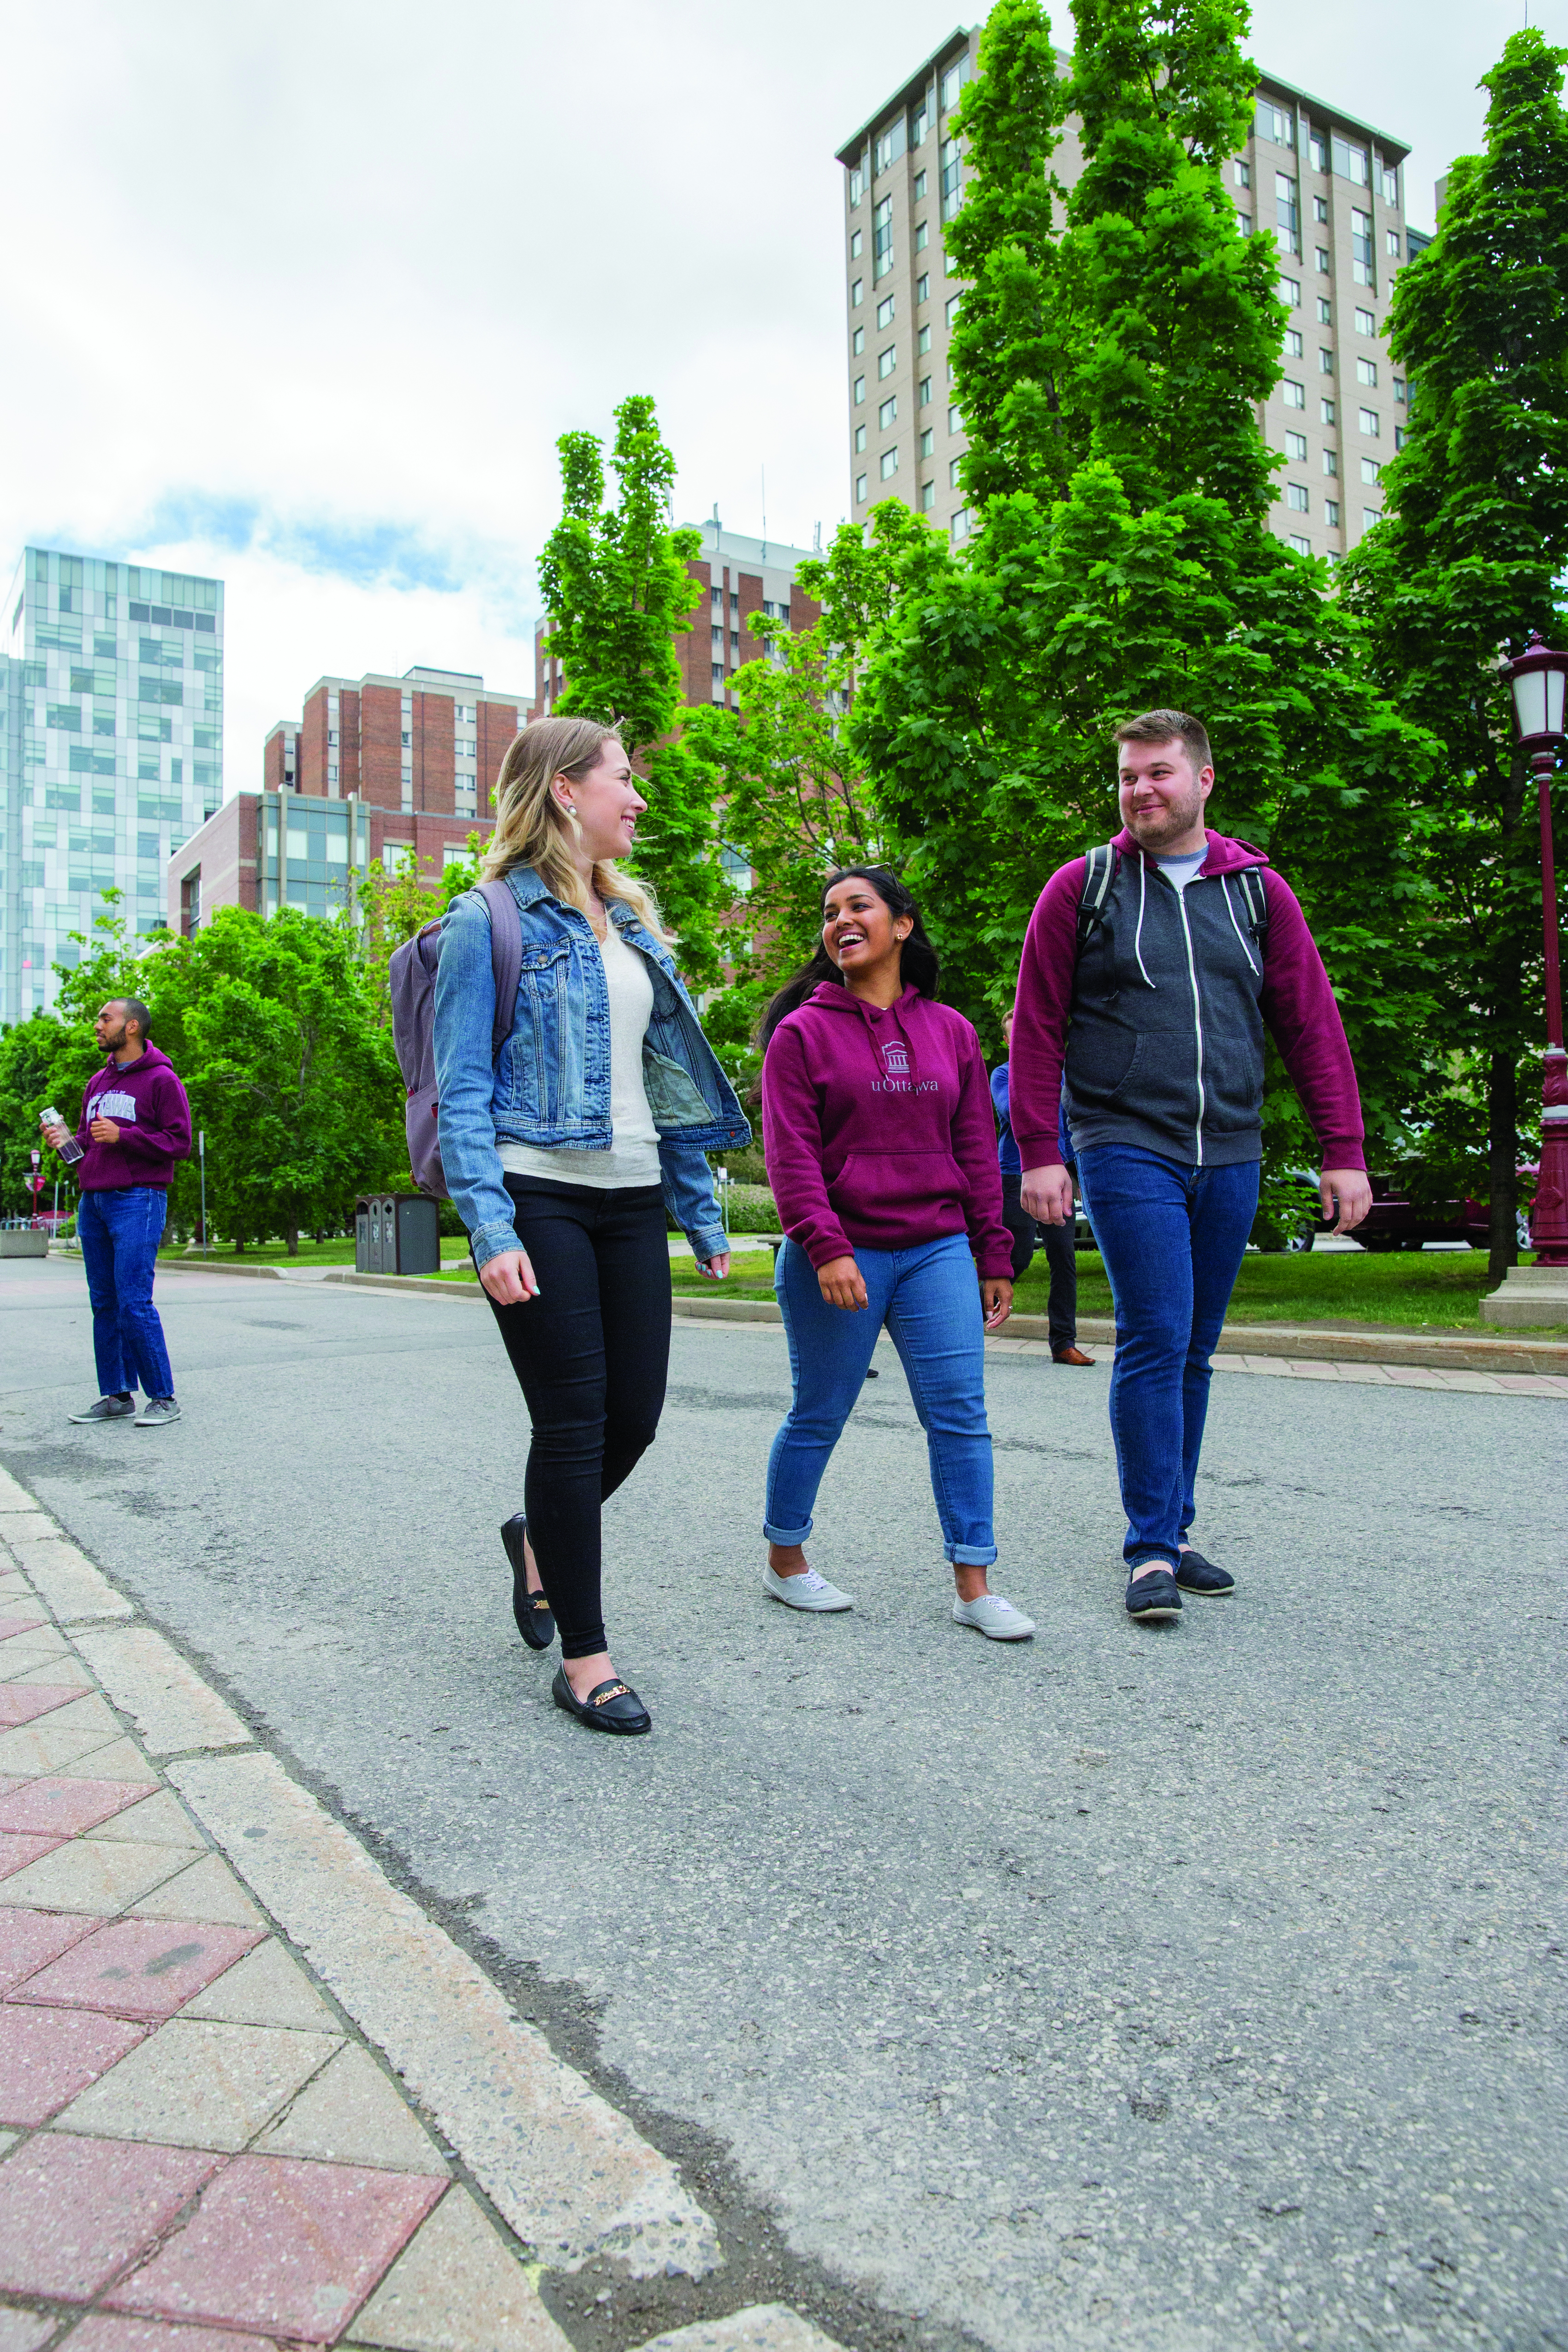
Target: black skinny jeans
592,1356
1060,1255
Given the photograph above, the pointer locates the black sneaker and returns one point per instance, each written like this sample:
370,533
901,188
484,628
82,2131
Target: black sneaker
1151,1592
1197,1574
109,1408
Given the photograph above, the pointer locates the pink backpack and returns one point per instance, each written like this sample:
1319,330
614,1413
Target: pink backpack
412,972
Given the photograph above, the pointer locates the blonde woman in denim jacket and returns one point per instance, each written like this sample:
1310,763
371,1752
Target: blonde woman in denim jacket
561,1157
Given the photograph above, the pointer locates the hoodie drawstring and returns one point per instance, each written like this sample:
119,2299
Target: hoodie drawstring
1138,934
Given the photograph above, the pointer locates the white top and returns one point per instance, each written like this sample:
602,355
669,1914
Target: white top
1181,870
632,1156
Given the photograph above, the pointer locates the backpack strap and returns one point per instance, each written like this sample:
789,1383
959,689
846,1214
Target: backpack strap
1249,882
506,957
1099,873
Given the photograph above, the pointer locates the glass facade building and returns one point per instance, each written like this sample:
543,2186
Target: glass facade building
110,750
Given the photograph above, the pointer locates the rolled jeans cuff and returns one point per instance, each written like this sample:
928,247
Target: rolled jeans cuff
973,1555
785,1534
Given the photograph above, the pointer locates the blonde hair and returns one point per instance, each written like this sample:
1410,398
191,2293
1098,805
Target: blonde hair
531,828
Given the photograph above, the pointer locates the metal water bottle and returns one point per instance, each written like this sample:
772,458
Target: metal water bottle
70,1150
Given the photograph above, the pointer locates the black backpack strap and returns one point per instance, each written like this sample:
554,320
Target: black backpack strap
1099,873
506,957
1255,899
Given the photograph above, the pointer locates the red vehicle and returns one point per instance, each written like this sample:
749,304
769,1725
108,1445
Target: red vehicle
1397,1221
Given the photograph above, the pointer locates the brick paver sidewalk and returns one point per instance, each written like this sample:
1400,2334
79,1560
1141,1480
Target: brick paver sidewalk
203,2150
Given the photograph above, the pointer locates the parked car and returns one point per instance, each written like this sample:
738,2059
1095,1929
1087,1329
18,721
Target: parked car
1400,1222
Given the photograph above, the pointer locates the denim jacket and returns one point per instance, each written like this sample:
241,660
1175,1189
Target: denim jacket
551,1086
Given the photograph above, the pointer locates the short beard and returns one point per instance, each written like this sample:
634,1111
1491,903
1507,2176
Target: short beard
113,1045
1179,817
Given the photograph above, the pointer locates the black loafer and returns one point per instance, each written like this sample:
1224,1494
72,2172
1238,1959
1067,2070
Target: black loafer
532,1610
1153,1593
609,1706
1196,1574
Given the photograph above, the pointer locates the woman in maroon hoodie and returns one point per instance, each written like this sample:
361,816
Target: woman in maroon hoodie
881,1151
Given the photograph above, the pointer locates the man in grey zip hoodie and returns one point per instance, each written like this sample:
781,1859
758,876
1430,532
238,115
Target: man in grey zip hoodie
1150,1032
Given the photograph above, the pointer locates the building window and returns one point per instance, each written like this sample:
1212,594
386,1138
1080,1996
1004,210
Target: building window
923,394
860,390
1293,344
1371,471
923,341
734,641
331,772
887,413
1389,184
953,81
856,183
1366,371
1242,171
1400,436
1323,261
1369,424
1331,463
928,440
889,146
952,189
1290,292
857,342
919,121
882,239
1365,320
1288,212
1361,248
859,440
1293,395
928,497
961,525
860,489
407,739
890,463
1296,497
885,311
734,600
855,243
716,599
1399,390
1243,223
1326,408
887,361
1392,235
1331,513
1320,208
1317,148
1325,312
718,673
950,310
1302,546
922,287
1349,161
953,465
856,294
1296,448
919,187
954,418
1369,516
1274,123
332,734
922,236
1325,361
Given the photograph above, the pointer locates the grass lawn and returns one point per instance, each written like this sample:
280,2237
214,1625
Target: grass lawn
338,1252
1435,1290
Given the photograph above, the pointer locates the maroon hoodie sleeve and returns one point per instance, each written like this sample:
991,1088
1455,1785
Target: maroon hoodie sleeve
1304,1020
792,1147
974,1148
1040,1019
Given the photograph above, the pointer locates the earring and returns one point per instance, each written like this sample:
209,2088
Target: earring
574,820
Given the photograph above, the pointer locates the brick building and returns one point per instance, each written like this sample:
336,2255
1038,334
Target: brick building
738,577
420,744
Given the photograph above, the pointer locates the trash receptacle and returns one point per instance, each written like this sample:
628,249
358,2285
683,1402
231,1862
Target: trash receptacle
396,1232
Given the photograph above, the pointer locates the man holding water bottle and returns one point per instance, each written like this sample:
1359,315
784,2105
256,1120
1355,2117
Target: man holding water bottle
135,1123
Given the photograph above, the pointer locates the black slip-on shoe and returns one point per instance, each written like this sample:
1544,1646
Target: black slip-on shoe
532,1610
609,1706
1196,1574
1153,1593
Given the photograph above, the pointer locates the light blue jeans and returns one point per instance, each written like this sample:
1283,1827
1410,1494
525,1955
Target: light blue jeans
929,1298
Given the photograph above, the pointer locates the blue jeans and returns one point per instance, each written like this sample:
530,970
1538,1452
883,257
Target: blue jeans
120,1232
929,1298
1172,1237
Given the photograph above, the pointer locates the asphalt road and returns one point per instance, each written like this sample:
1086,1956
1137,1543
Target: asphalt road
1197,1990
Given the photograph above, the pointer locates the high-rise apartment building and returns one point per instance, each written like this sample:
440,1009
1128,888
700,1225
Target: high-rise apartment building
110,750
1328,185
738,577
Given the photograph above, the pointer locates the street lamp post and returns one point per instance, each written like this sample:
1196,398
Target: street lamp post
1539,677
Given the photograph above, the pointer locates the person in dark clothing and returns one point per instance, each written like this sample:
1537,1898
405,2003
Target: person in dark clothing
1062,1249
135,1123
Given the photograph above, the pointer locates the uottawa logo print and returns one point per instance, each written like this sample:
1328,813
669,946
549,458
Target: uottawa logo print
896,1062
113,1103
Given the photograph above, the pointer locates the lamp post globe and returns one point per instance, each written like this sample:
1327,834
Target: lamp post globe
1539,680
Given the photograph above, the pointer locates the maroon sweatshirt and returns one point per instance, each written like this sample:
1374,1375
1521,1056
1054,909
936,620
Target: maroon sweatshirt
878,1131
147,1104
1157,1024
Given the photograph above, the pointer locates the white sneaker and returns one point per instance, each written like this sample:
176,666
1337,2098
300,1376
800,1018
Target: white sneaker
995,1618
805,1591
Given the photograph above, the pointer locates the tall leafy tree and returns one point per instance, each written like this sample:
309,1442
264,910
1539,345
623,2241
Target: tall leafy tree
1468,559
1120,555
616,585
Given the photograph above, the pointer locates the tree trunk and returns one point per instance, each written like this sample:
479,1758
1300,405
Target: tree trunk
1503,1153
291,1235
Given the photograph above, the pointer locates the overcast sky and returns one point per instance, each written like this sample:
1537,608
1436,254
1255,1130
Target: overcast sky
302,295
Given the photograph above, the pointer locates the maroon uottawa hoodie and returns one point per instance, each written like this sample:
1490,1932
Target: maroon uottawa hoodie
148,1105
878,1131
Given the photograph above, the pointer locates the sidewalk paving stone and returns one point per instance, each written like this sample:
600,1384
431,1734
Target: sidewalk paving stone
139,1968
50,2055
22,1702
29,1940
155,1819
74,1733
206,1889
200,2083
74,2213
62,1806
107,2331
352,2114
284,2246
17,1848
174,1709
267,1988
84,1877
25,2331
11,1626
457,2289
121,1760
